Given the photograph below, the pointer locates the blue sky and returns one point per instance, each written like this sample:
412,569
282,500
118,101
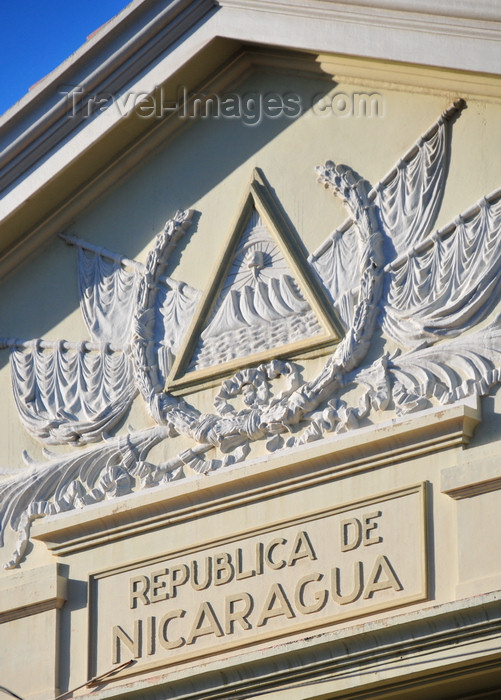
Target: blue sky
37,35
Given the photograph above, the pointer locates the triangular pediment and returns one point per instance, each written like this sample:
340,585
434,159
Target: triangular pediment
263,302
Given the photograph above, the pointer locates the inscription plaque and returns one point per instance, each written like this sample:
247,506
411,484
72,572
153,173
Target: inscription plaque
296,575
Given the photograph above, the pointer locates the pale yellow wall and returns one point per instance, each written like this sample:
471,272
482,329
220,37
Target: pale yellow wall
207,167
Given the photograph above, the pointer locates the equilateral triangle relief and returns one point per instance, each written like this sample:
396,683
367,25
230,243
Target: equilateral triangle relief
264,301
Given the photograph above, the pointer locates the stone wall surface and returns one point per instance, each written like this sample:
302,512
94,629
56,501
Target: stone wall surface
250,427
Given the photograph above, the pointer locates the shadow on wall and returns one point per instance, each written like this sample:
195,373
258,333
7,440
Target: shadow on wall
209,146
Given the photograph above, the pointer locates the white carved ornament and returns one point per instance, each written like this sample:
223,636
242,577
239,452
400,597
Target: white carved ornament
383,267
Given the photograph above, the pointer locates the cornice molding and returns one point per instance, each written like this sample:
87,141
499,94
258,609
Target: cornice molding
392,31
483,10
107,65
32,592
154,42
472,478
315,463
453,642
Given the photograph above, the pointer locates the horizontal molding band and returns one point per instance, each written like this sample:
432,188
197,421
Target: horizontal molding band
406,650
31,592
309,465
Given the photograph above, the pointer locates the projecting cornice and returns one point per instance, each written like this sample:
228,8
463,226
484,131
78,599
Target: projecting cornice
51,154
486,10
110,60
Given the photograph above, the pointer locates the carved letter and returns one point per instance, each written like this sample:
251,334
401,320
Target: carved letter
194,574
212,627
150,635
375,581
269,550
177,580
240,616
319,597
367,539
358,574
301,548
240,574
223,569
158,589
133,645
162,630
356,534
138,587
276,604
259,558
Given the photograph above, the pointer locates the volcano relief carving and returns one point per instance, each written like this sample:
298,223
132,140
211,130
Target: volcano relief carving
430,298
264,301
260,305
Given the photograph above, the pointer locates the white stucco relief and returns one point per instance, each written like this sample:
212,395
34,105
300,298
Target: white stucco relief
260,305
70,392
384,271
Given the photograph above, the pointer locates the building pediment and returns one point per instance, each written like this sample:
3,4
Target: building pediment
144,50
250,353
386,318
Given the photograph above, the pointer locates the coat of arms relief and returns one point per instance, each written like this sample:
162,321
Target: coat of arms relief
386,272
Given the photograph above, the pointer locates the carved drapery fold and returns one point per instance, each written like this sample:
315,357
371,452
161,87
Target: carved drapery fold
174,310
66,394
344,183
409,198
338,265
107,293
450,282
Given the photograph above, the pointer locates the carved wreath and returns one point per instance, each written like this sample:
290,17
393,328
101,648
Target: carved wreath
383,267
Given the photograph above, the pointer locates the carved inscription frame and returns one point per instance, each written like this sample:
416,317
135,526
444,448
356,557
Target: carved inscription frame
280,580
